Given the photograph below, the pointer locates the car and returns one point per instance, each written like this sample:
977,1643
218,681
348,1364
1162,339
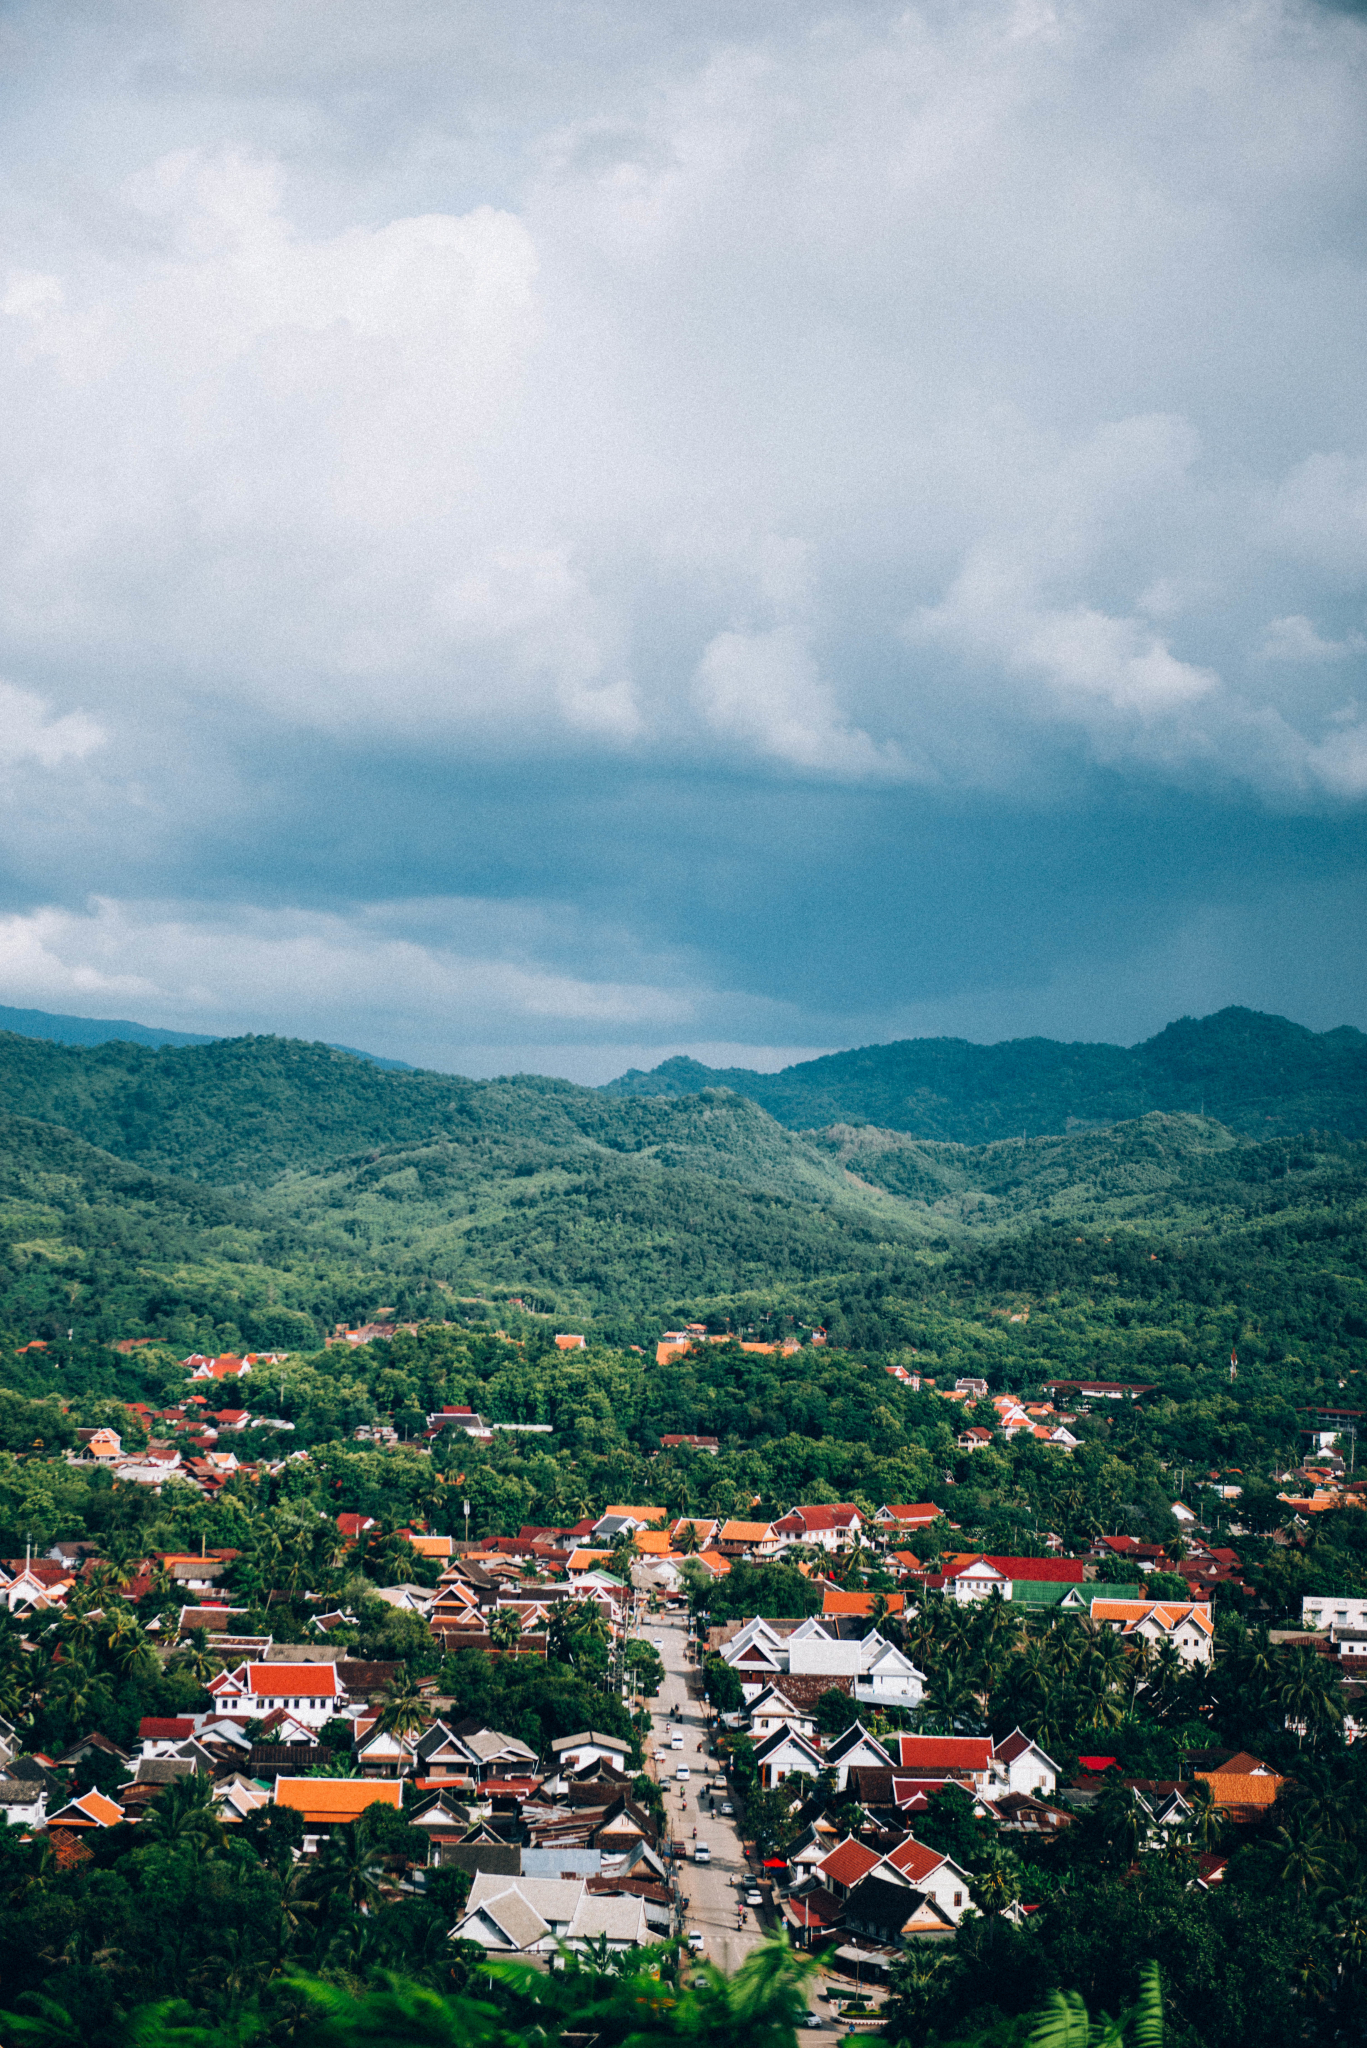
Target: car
658,1643
752,1897
727,1808
695,1940
813,2019
676,1740
681,1771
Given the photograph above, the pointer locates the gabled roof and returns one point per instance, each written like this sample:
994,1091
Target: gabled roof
1016,1744
944,1752
854,1738
277,1681
91,1810
848,1862
914,1861
784,1735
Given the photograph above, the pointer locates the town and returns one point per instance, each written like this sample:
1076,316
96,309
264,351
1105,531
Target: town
838,1725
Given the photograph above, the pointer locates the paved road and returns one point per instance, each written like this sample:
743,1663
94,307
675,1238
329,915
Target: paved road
711,1893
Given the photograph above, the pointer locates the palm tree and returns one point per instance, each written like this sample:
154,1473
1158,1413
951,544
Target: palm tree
688,1542
183,1816
1306,1692
350,1869
195,1656
505,1627
403,1711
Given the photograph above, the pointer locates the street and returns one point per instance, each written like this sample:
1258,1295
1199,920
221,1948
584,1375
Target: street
709,1887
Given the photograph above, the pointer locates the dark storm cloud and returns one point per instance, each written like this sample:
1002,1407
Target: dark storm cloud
635,527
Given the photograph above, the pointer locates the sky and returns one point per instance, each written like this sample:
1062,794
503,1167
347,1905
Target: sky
544,536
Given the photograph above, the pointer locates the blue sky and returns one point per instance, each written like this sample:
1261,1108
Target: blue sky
548,536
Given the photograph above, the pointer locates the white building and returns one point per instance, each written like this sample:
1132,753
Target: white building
1334,1610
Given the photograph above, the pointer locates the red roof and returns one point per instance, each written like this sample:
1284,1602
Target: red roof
848,1863
275,1681
839,1515
914,1859
1054,1571
945,1752
152,1729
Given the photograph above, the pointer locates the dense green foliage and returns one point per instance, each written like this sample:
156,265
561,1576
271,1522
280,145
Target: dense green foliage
250,1194
1258,1074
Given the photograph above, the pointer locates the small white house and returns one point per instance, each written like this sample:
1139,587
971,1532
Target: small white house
575,1752
1020,1765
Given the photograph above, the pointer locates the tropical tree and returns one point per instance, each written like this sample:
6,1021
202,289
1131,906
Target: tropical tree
505,1628
183,1816
403,1710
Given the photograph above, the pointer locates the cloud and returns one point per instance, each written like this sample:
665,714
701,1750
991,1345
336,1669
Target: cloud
440,459
29,732
1294,639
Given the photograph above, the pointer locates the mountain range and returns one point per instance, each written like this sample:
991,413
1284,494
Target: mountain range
1259,1075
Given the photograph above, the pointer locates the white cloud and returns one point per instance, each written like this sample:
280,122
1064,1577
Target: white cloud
430,391
763,691
1294,639
241,968
29,732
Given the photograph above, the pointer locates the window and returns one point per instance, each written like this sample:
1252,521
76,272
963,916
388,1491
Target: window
958,1898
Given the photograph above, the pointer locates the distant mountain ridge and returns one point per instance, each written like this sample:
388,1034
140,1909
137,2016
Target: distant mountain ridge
1260,1075
59,1030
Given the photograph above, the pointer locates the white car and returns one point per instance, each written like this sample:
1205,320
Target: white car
695,1940
682,1771
658,1643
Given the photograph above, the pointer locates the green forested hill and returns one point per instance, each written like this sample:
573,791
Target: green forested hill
340,1188
1259,1075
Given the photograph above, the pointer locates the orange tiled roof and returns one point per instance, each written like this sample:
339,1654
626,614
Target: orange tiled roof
337,1799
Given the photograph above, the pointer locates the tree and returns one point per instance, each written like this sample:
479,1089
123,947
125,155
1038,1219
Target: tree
403,1710
505,1628
184,1816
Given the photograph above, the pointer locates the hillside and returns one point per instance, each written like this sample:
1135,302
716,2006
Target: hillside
1259,1075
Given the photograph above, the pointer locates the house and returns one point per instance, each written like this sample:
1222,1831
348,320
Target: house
706,1446
975,1439
945,1756
904,1521
463,1419
1243,1787
573,1752
856,1749
23,1801
382,1754
1020,1765
91,1810
1186,1625
1336,1610
747,1539
774,1709
846,1866
931,1872
327,1803
571,1342
893,1913
226,1367
836,1601
1018,1813
833,1528
535,1915
1098,1390
104,1446
312,1692
887,1676
972,1575
786,1754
